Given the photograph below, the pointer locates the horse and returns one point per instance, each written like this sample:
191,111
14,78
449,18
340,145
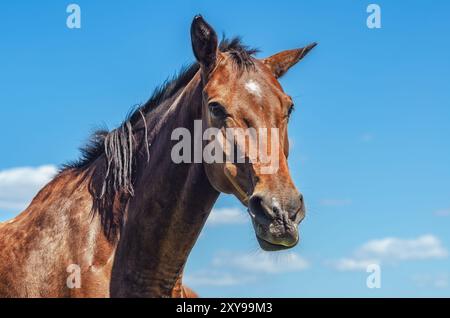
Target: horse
122,220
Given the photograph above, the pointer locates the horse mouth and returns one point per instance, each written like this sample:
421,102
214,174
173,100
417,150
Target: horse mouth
270,247
264,240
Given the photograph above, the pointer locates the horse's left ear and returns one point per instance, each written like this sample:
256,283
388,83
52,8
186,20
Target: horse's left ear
204,42
280,63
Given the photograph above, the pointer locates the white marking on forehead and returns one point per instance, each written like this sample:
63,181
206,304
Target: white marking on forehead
253,88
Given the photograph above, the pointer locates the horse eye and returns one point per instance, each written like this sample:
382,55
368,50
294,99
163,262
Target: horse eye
217,110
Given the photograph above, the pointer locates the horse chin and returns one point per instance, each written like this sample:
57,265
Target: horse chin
270,247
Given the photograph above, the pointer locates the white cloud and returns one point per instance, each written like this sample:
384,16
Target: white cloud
335,202
432,280
215,279
18,186
393,250
442,213
230,269
227,216
262,262
350,264
423,247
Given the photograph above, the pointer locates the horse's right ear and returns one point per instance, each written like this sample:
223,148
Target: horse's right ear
204,42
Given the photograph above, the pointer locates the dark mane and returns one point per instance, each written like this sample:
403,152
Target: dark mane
241,54
112,183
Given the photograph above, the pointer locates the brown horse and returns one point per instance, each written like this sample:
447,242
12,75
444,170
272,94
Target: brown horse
127,216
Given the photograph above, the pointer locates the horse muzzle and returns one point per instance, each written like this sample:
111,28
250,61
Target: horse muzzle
276,228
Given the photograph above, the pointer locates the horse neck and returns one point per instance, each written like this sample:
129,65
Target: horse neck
165,215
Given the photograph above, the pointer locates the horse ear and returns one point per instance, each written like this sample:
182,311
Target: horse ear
204,42
280,63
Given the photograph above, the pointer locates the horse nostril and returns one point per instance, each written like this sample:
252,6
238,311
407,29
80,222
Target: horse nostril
297,210
260,208
302,202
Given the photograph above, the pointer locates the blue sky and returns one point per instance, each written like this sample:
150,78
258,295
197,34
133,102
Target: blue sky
370,134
